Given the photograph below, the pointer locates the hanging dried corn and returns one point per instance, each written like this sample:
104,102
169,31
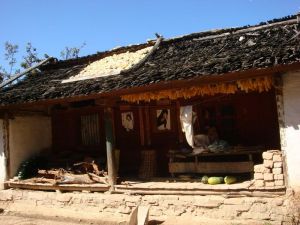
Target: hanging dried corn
259,84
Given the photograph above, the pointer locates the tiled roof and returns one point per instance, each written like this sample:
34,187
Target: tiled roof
187,57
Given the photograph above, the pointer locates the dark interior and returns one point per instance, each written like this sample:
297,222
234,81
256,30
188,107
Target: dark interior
247,119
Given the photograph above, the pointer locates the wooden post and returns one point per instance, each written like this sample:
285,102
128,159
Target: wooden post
110,142
142,128
147,125
180,134
6,145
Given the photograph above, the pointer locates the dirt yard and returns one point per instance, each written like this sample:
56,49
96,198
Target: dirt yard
10,219
25,220
14,219
21,220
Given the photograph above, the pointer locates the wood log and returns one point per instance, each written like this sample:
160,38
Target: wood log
94,177
141,62
75,179
13,78
86,167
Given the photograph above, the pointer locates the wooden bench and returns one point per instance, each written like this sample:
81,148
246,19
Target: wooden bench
205,167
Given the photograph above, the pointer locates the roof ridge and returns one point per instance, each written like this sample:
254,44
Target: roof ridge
234,30
203,35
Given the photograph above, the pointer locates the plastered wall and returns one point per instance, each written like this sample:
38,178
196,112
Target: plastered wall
2,157
27,136
291,142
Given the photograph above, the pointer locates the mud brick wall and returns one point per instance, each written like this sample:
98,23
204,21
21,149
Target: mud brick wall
256,210
270,173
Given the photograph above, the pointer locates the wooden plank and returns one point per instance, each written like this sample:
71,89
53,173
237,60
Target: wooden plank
143,215
133,217
142,129
238,193
229,153
125,107
50,187
211,167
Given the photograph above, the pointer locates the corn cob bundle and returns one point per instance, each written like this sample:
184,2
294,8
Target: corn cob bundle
259,84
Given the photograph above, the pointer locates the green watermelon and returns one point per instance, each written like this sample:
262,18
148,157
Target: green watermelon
204,179
230,180
215,180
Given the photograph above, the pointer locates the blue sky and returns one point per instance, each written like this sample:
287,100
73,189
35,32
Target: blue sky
53,24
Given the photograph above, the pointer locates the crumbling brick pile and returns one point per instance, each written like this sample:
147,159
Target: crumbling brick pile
270,173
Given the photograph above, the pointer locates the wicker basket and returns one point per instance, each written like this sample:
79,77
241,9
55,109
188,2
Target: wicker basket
148,164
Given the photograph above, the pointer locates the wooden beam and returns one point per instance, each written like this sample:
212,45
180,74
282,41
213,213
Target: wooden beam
61,187
144,59
6,82
150,191
211,167
237,194
110,143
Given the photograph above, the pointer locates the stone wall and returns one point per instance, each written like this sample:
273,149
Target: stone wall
270,173
256,210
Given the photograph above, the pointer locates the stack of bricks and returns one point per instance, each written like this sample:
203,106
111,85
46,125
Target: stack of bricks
270,173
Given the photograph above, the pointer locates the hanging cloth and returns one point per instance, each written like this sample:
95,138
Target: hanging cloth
186,120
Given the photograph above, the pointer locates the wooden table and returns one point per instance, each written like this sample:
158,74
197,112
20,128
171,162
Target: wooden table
205,167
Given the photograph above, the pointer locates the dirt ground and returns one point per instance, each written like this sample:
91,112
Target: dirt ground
11,218
25,220
20,220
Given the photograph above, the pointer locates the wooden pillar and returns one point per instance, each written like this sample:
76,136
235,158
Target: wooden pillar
110,144
147,125
6,145
180,133
142,128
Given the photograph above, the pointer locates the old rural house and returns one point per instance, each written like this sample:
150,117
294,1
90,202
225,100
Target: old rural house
125,108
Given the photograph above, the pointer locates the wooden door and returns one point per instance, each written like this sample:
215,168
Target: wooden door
127,131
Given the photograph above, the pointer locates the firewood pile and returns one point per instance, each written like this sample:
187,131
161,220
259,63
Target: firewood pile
81,173
85,172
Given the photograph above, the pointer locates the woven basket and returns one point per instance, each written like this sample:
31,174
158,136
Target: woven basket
148,164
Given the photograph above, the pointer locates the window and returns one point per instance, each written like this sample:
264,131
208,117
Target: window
90,132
